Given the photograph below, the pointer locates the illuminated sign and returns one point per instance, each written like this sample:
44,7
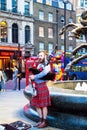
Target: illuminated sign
6,53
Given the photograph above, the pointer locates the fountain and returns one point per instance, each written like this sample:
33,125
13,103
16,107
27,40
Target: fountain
69,105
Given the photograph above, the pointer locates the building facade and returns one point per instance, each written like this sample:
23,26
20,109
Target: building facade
16,29
31,26
48,20
16,18
80,6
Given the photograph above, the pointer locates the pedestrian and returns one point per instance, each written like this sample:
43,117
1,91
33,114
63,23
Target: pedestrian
2,80
15,73
42,100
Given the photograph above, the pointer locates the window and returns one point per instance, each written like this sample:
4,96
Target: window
62,47
50,33
27,34
14,6
39,1
70,20
70,48
3,5
82,37
69,35
41,46
62,36
15,33
50,48
70,38
3,31
48,2
68,5
61,5
83,3
50,17
41,15
41,31
83,50
26,8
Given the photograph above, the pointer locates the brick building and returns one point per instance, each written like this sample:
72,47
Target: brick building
48,20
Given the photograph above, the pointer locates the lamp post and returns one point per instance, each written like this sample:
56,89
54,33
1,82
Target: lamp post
19,73
57,28
65,2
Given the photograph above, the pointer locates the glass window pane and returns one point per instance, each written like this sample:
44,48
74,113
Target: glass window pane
70,20
82,3
27,8
14,6
27,34
70,48
41,46
50,48
41,31
41,15
85,3
15,33
62,47
50,17
48,2
39,1
3,5
50,33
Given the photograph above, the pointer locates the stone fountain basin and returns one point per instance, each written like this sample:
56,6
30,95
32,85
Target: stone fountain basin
65,98
69,106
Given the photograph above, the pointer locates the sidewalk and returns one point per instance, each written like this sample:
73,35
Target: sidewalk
11,108
9,85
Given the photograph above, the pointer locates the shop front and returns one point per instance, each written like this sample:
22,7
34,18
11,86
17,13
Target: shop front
9,55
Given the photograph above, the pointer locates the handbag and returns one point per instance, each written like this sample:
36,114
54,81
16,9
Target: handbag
31,90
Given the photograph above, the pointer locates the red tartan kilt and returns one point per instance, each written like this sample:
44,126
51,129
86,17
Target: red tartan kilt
43,97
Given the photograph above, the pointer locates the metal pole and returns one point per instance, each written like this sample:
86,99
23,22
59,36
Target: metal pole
19,72
57,36
64,35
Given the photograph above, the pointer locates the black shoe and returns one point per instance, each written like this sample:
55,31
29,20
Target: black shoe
37,124
42,124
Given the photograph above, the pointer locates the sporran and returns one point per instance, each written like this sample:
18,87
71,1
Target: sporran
31,90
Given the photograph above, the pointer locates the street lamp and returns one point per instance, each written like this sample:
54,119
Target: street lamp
65,2
19,73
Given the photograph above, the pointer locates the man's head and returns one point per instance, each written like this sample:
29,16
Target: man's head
42,56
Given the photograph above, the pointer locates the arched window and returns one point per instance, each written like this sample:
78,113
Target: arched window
3,31
15,33
27,34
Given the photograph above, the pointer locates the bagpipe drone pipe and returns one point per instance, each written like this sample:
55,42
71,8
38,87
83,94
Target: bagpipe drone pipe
49,76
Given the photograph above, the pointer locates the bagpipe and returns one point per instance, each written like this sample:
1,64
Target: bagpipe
49,76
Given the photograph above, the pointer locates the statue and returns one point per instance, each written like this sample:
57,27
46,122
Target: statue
78,29
76,32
